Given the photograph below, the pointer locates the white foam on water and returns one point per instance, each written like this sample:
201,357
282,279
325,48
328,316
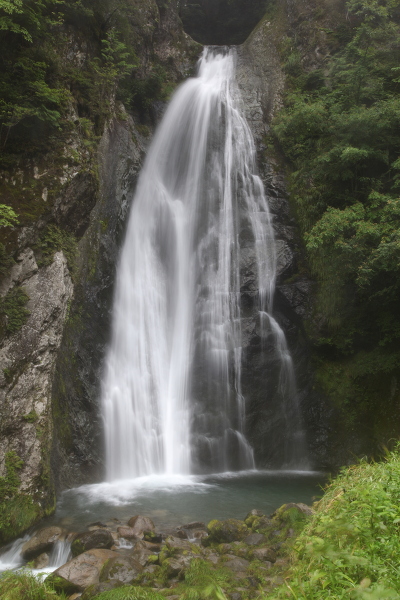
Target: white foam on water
124,491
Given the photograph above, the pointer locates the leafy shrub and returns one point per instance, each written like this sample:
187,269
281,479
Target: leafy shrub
339,131
351,546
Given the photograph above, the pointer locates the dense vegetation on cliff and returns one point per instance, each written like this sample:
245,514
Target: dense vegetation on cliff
339,130
38,82
63,68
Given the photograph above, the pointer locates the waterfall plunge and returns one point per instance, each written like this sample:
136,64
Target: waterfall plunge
176,332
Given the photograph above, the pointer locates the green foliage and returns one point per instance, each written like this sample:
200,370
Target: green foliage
8,218
36,89
31,417
339,130
8,8
13,311
6,261
130,593
202,581
9,483
54,240
351,545
17,511
22,585
139,94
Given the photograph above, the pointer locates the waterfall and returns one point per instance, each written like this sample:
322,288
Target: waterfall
176,331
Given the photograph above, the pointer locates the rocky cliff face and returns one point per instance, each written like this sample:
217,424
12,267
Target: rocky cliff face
60,287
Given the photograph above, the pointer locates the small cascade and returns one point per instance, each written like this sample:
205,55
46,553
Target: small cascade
172,389
59,555
11,559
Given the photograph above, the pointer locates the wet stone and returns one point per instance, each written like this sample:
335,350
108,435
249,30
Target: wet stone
42,541
41,561
80,572
99,538
264,554
174,543
140,524
141,553
126,532
122,569
237,564
193,525
254,539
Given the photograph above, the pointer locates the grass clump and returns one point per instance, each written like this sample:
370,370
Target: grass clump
202,580
22,585
130,593
17,511
351,546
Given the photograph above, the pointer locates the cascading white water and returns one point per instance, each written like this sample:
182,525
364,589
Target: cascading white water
176,332
11,559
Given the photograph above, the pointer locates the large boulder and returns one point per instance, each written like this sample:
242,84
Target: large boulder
123,569
140,524
80,572
42,541
231,530
99,538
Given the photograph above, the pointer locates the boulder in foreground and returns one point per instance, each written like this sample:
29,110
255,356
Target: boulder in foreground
80,572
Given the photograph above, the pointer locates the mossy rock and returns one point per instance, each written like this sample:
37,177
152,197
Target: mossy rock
231,530
99,538
17,515
123,569
293,513
62,585
164,554
262,524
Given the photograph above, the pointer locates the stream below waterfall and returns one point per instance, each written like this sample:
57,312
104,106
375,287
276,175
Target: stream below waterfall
169,502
